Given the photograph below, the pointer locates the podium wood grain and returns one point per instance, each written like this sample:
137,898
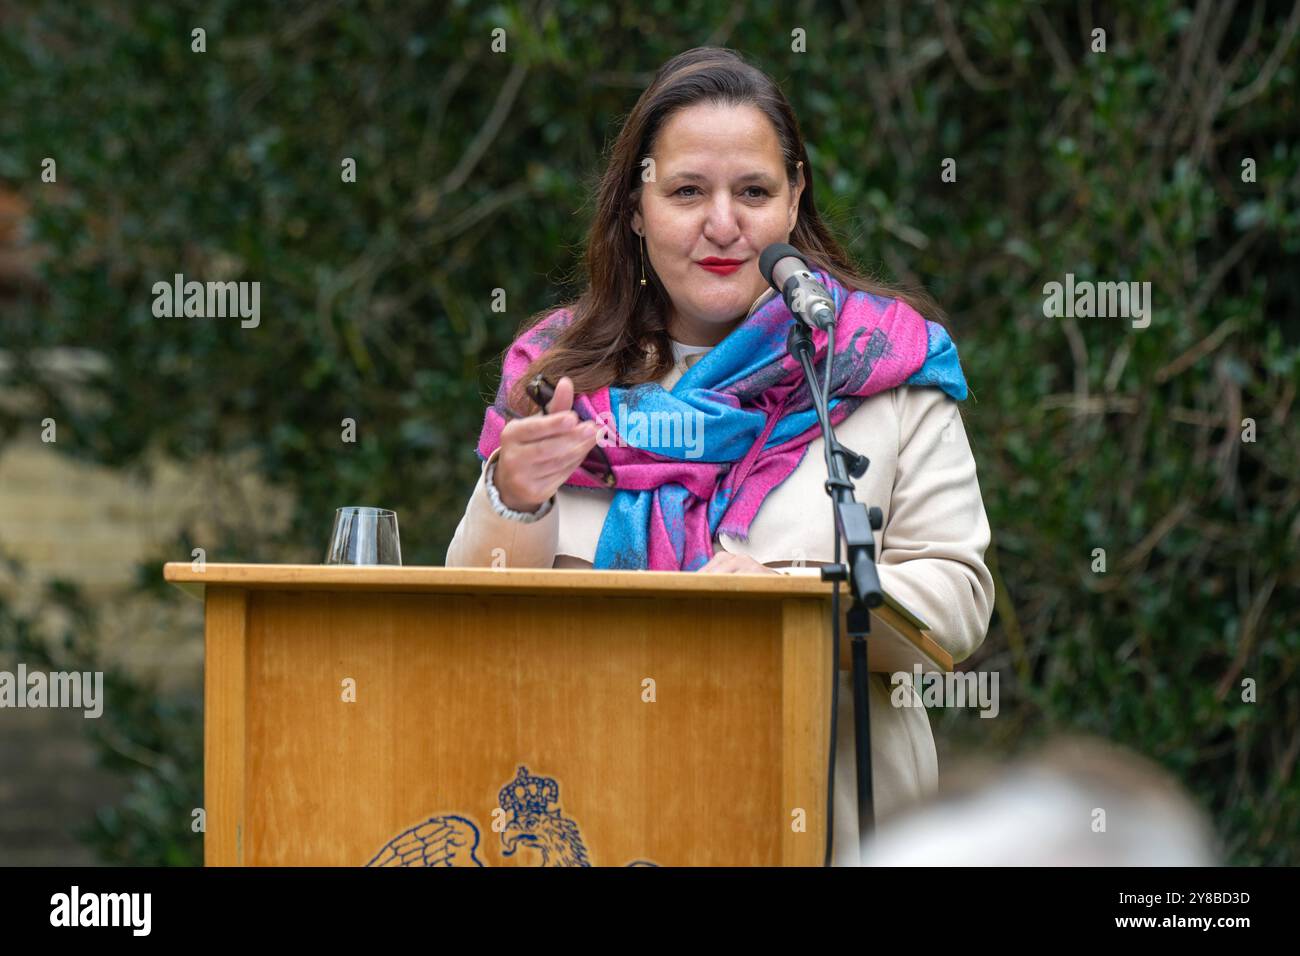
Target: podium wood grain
462,676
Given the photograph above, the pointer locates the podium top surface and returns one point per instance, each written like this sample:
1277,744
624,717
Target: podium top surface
416,579
906,631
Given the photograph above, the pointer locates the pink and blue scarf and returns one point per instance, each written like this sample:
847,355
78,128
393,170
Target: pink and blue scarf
753,418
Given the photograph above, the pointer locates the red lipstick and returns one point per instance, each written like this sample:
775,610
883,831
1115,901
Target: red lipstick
722,267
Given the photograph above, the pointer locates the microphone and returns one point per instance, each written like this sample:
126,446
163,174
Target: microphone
785,270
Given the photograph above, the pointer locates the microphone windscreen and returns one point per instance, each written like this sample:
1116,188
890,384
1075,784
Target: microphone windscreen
771,256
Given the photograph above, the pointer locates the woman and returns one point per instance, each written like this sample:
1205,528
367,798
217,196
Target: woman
709,169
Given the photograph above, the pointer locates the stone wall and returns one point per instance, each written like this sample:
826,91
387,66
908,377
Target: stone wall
66,519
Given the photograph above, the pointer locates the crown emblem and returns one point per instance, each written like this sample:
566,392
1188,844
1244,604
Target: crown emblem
529,794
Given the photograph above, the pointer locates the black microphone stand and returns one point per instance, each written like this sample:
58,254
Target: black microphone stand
854,524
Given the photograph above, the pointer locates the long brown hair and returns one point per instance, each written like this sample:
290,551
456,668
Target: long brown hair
619,332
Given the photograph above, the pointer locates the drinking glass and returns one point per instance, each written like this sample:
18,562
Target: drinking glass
364,536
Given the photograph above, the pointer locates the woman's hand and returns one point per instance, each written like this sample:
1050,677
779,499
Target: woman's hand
540,452
724,562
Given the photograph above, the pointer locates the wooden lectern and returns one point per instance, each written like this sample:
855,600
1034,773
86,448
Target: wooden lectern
480,717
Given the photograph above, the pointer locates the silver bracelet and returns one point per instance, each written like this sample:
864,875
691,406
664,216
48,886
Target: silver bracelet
494,496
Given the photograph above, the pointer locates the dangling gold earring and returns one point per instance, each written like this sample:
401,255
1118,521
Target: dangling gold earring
642,235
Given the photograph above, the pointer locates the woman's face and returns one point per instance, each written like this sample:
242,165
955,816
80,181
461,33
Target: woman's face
719,191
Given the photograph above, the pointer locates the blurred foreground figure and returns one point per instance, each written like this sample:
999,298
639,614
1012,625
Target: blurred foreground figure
1076,802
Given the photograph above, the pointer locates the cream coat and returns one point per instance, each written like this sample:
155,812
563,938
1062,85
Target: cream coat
930,555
